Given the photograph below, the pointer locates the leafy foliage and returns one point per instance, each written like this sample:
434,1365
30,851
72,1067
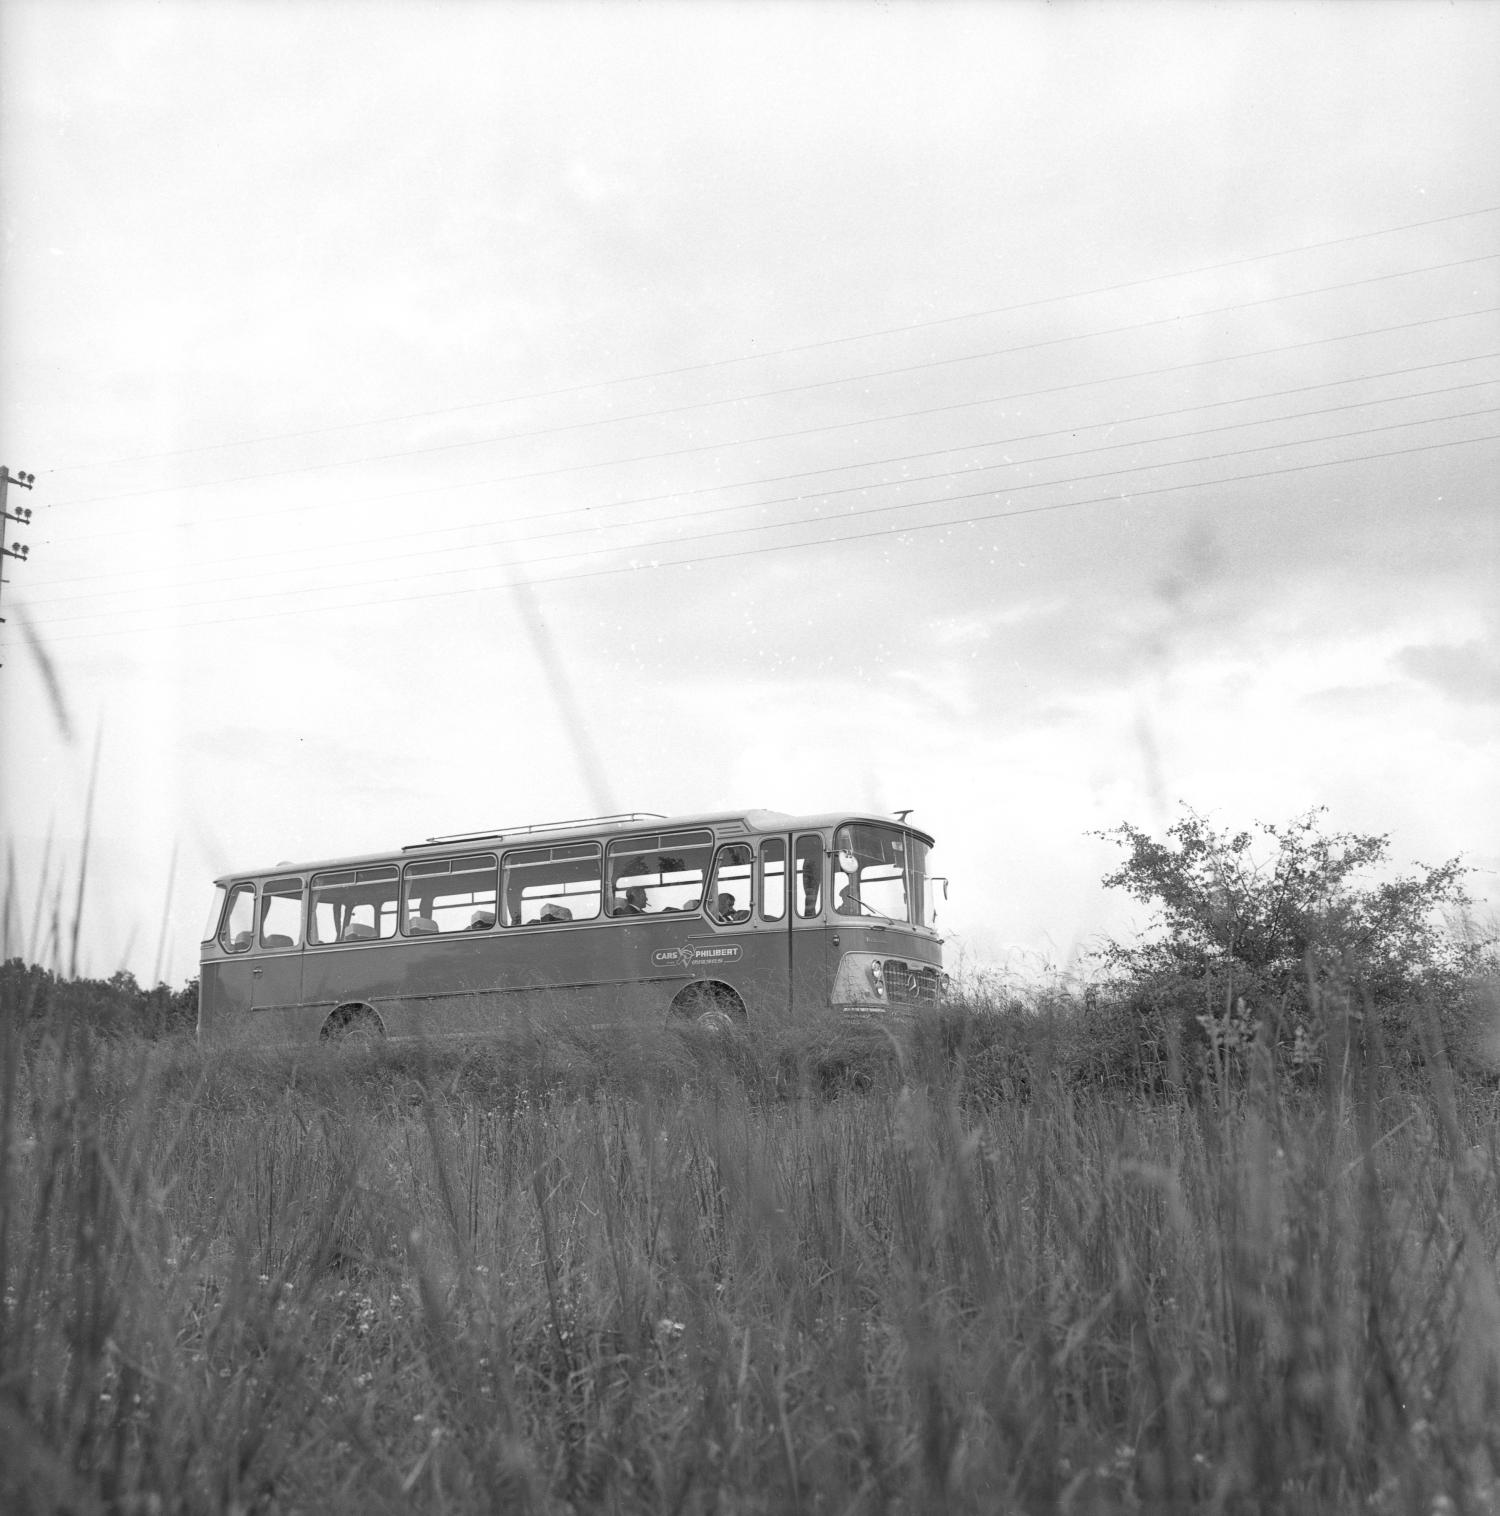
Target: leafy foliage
117,1006
1278,932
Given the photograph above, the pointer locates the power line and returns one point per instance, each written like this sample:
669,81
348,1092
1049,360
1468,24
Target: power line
807,347
903,529
771,394
924,412
894,531
407,494
824,494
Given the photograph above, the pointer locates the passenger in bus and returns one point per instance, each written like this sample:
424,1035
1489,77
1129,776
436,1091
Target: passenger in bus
481,921
635,902
723,911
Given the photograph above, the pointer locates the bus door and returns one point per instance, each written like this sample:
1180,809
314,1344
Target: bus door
276,974
229,982
807,931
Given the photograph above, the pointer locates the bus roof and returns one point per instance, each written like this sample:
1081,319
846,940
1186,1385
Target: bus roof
604,827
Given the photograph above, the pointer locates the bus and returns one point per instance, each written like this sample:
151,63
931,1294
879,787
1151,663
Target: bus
717,919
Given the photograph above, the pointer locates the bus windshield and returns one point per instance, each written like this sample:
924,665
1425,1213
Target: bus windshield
880,871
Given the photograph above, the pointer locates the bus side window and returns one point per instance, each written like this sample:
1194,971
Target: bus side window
447,895
547,884
729,894
236,934
354,905
773,879
281,913
655,875
809,873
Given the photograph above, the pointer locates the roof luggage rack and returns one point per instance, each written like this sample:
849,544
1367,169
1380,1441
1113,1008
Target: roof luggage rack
619,818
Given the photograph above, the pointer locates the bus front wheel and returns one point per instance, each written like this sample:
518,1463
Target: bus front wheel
352,1025
715,1007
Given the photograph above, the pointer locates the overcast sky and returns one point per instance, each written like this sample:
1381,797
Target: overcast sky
446,415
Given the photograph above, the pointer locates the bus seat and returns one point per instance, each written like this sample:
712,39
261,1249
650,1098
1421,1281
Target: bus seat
357,931
240,940
277,939
481,921
421,926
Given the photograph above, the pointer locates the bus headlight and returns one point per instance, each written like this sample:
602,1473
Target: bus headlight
860,982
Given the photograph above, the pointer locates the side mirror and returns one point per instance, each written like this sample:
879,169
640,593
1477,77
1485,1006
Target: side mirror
847,862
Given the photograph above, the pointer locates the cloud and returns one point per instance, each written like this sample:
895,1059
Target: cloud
1467,671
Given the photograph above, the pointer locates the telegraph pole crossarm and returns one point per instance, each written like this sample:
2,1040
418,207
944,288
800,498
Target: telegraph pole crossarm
22,514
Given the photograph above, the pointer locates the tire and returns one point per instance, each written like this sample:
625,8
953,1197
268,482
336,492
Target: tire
353,1026
714,1007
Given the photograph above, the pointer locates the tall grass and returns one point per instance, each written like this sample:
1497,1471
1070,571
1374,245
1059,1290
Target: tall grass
736,1274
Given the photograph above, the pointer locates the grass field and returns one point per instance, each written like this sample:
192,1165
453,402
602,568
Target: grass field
739,1275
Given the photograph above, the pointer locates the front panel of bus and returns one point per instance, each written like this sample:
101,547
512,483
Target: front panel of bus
886,954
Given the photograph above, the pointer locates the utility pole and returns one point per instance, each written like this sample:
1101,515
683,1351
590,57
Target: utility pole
22,513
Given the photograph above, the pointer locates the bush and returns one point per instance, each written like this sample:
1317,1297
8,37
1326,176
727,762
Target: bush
1287,946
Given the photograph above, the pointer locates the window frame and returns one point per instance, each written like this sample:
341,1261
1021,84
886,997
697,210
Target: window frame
403,899
778,841
819,854
657,844
744,912
510,859
270,892
354,873
240,886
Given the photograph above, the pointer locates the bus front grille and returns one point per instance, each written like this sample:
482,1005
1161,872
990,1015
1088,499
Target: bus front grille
911,983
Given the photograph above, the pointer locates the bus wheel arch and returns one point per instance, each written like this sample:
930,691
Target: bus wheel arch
353,1022
709,1003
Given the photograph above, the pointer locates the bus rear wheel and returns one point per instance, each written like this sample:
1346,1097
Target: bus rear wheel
715,1007
352,1026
